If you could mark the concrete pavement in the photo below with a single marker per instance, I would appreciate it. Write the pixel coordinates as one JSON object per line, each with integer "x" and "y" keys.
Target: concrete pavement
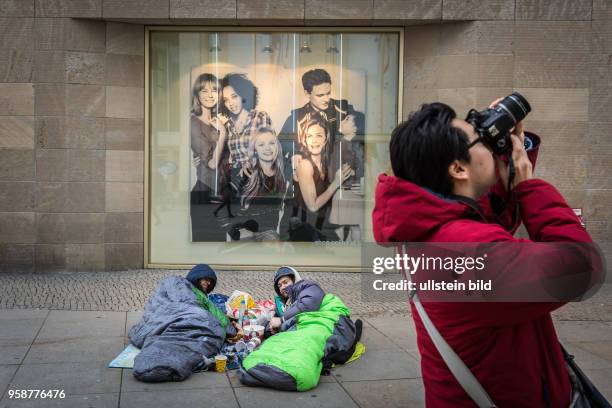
{"x": 70, "y": 349}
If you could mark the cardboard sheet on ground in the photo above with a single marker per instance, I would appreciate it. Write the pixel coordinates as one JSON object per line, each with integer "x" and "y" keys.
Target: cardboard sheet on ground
{"x": 125, "y": 359}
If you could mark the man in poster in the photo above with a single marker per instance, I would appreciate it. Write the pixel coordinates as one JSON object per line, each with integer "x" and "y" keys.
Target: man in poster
{"x": 345, "y": 124}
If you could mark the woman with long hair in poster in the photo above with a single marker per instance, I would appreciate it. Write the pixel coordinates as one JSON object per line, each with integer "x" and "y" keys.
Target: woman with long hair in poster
{"x": 265, "y": 167}
{"x": 315, "y": 188}
{"x": 240, "y": 98}
{"x": 208, "y": 134}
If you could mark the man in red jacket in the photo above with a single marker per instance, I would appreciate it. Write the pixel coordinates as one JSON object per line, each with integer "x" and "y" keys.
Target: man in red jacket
{"x": 443, "y": 173}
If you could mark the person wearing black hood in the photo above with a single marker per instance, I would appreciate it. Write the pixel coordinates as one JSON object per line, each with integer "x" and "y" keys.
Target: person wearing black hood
{"x": 294, "y": 295}
{"x": 204, "y": 279}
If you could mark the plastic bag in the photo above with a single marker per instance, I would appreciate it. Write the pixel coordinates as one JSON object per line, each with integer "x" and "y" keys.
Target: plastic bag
{"x": 232, "y": 306}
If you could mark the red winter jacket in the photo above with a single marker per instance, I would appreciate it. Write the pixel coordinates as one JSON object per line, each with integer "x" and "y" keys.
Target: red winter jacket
{"x": 511, "y": 348}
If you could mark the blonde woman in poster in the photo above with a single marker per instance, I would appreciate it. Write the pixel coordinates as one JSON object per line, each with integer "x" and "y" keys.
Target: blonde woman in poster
{"x": 264, "y": 189}
{"x": 265, "y": 168}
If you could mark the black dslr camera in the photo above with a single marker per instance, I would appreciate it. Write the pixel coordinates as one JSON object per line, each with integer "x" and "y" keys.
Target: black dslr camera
{"x": 494, "y": 125}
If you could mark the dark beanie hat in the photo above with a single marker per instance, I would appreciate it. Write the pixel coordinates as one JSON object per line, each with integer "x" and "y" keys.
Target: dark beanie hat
{"x": 202, "y": 271}
{"x": 284, "y": 271}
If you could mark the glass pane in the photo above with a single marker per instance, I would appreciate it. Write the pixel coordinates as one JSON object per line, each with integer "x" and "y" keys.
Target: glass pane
{"x": 265, "y": 146}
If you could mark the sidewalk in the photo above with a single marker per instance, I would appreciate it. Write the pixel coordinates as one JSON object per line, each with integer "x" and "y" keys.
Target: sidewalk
{"x": 70, "y": 349}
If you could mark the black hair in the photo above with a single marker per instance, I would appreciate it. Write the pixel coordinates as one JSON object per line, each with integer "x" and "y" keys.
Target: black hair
{"x": 425, "y": 145}
{"x": 315, "y": 77}
{"x": 243, "y": 87}
{"x": 198, "y": 85}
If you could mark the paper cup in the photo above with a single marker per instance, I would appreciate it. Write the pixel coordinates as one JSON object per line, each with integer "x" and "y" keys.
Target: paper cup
{"x": 220, "y": 363}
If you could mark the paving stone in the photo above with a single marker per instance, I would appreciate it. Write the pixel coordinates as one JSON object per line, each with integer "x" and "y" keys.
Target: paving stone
{"x": 73, "y": 378}
{"x": 585, "y": 359}
{"x": 601, "y": 349}
{"x": 379, "y": 365}
{"x": 325, "y": 395}
{"x": 579, "y": 331}
{"x": 63, "y": 324}
{"x": 6, "y": 374}
{"x": 74, "y": 350}
{"x": 217, "y": 397}
{"x": 131, "y": 319}
{"x": 71, "y": 401}
{"x": 18, "y": 328}
{"x": 400, "y": 332}
{"x": 387, "y": 393}
{"x": 204, "y": 380}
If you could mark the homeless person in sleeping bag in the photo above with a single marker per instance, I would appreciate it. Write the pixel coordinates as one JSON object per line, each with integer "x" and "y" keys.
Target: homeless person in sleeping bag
{"x": 178, "y": 327}
{"x": 314, "y": 332}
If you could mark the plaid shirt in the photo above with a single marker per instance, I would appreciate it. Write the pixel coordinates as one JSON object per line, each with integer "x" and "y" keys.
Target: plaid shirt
{"x": 238, "y": 143}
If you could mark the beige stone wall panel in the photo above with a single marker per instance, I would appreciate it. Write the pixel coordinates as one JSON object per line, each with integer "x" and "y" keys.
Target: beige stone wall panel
{"x": 478, "y": 10}
{"x": 85, "y": 68}
{"x": 17, "y": 8}
{"x": 407, "y": 9}
{"x": 69, "y": 8}
{"x": 124, "y": 197}
{"x": 16, "y": 196}
{"x": 123, "y": 256}
{"x": 124, "y": 134}
{"x": 16, "y": 64}
{"x": 270, "y": 9}
{"x": 16, "y": 99}
{"x": 17, "y": 227}
{"x": 17, "y": 132}
{"x": 124, "y": 70}
{"x": 136, "y": 9}
{"x": 206, "y": 9}
{"x": 125, "y": 166}
{"x": 554, "y": 9}
{"x": 124, "y": 38}
{"x": 123, "y": 228}
{"x": 16, "y": 164}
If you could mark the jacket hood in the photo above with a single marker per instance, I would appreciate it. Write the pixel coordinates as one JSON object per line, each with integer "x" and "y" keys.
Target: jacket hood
{"x": 202, "y": 271}
{"x": 405, "y": 212}
{"x": 285, "y": 271}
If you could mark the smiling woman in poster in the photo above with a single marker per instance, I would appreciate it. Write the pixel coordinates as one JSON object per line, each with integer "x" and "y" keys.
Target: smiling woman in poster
{"x": 315, "y": 188}
{"x": 240, "y": 97}
{"x": 207, "y": 135}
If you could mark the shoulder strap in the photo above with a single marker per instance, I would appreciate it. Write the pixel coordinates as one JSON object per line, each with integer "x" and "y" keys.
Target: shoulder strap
{"x": 460, "y": 371}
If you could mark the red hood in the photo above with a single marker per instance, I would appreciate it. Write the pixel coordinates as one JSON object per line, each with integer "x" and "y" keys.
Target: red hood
{"x": 400, "y": 203}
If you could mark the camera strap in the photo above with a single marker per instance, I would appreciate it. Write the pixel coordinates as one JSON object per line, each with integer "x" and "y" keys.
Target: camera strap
{"x": 455, "y": 364}
{"x": 512, "y": 194}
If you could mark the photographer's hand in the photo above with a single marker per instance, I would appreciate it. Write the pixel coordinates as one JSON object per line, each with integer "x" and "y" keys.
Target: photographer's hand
{"x": 522, "y": 164}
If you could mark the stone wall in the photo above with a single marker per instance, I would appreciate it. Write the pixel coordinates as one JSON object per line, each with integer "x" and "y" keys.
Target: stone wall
{"x": 72, "y": 102}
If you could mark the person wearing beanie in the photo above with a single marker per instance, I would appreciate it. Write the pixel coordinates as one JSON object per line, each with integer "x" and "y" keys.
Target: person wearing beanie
{"x": 204, "y": 279}
{"x": 294, "y": 295}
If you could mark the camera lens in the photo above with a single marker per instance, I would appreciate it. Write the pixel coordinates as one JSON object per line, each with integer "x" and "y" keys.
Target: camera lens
{"x": 516, "y": 106}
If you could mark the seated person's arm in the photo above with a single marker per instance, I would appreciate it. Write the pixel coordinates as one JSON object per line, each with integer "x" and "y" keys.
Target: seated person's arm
{"x": 308, "y": 300}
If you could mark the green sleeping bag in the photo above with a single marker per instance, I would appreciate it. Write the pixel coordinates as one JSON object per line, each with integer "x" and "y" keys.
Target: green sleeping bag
{"x": 292, "y": 360}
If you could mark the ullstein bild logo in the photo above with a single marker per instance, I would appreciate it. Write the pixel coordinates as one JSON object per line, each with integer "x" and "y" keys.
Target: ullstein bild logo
{"x": 412, "y": 264}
